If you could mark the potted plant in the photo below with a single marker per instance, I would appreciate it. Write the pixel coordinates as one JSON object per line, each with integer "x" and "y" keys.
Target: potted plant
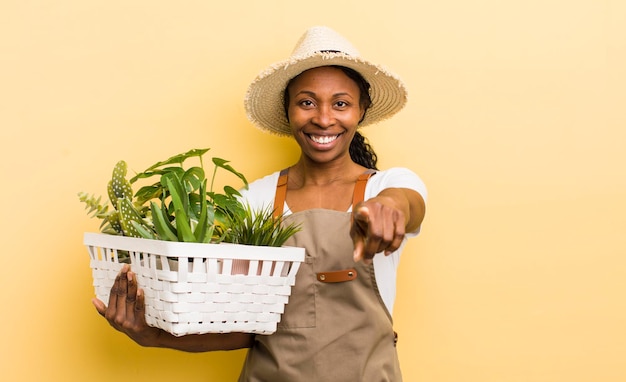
{"x": 207, "y": 262}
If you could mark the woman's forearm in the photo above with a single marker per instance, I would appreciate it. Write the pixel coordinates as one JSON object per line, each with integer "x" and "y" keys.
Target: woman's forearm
{"x": 196, "y": 343}
{"x": 410, "y": 202}
{"x": 126, "y": 313}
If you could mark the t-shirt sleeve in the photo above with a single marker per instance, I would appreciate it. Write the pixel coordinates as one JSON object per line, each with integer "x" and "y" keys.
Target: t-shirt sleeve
{"x": 260, "y": 193}
{"x": 396, "y": 177}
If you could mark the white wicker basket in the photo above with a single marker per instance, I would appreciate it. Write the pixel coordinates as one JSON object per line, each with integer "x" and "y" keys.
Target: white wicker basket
{"x": 225, "y": 287}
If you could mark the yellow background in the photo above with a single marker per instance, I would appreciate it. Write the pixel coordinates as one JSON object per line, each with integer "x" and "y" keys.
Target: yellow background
{"x": 516, "y": 123}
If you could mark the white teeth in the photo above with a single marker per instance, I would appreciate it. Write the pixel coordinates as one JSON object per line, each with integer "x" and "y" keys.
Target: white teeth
{"x": 323, "y": 139}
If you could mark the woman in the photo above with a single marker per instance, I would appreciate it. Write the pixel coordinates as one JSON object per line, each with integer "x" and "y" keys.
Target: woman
{"x": 355, "y": 220}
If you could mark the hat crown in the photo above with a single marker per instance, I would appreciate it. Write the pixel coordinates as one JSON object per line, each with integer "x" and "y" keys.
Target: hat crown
{"x": 321, "y": 39}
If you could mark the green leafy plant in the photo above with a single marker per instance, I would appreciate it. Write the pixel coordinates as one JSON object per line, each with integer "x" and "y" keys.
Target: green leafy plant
{"x": 179, "y": 207}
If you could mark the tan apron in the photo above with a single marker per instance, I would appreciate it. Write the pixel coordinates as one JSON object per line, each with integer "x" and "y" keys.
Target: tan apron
{"x": 335, "y": 326}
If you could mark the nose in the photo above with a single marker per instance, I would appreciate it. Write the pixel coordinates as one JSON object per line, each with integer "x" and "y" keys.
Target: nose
{"x": 324, "y": 117}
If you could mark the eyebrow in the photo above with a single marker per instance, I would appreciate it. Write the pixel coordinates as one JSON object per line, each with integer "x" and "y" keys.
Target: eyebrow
{"x": 312, "y": 94}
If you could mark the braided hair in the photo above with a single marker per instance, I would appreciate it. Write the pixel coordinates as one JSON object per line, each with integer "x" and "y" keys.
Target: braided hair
{"x": 361, "y": 152}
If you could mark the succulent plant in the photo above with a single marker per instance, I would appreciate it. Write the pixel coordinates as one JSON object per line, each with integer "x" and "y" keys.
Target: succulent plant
{"x": 110, "y": 220}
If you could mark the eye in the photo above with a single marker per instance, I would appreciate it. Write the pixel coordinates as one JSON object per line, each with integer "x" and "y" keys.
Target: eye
{"x": 341, "y": 104}
{"x": 307, "y": 103}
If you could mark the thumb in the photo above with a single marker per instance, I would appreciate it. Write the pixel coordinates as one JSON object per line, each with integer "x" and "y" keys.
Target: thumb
{"x": 100, "y": 307}
{"x": 357, "y": 255}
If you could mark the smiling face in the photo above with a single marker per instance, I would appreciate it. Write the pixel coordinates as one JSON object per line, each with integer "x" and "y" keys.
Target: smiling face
{"x": 324, "y": 111}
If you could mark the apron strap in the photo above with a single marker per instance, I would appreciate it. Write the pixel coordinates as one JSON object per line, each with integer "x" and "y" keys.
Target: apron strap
{"x": 281, "y": 193}
{"x": 359, "y": 187}
{"x": 281, "y": 190}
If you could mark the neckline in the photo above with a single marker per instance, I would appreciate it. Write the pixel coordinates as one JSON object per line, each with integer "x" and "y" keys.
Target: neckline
{"x": 360, "y": 186}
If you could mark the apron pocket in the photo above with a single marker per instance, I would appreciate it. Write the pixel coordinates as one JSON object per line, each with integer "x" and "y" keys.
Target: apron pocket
{"x": 300, "y": 310}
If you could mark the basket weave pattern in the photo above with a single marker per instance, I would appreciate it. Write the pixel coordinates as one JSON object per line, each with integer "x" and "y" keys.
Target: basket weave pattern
{"x": 223, "y": 287}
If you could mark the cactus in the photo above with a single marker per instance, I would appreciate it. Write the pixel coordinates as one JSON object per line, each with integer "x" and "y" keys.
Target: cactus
{"x": 132, "y": 222}
{"x": 118, "y": 187}
{"x": 128, "y": 220}
{"x": 114, "y": 221}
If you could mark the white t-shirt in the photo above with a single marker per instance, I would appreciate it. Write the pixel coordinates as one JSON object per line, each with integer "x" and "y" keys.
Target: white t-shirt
{"x": 260, "y": 194}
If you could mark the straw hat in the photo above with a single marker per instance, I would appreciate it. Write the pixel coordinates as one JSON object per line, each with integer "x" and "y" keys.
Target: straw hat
{"x": 320, "y": 46}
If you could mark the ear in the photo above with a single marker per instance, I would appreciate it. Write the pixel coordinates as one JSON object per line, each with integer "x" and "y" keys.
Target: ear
{"x": 362, "y": 116}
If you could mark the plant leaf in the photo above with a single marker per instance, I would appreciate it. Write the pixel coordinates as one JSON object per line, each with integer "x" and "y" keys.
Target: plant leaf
{"x": 177, "y": 192}
{"x": 194, "y": 178}
{"x": 183, "y": 227}
{"x": 204, "y": 228}
{"x": 147, "y": 193}
{"x": 222, "y": 163}
{"x": 176, "y": 159}
{"x": 156, "y": 172}
{"x": 230, "y": 191}
{"x": 162, "y": 225}
{"x": 143, "y": 230}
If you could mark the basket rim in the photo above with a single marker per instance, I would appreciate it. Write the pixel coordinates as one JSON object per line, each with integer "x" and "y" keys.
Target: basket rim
{"x": 192, "y": 250}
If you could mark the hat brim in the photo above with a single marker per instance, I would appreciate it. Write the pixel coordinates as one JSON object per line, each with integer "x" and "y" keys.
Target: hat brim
{"x": 264, "y": 98}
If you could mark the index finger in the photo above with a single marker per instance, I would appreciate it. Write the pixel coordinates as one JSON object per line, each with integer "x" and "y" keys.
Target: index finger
{"x": 111, "y": 308}
{"x": 359, "y": 247}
